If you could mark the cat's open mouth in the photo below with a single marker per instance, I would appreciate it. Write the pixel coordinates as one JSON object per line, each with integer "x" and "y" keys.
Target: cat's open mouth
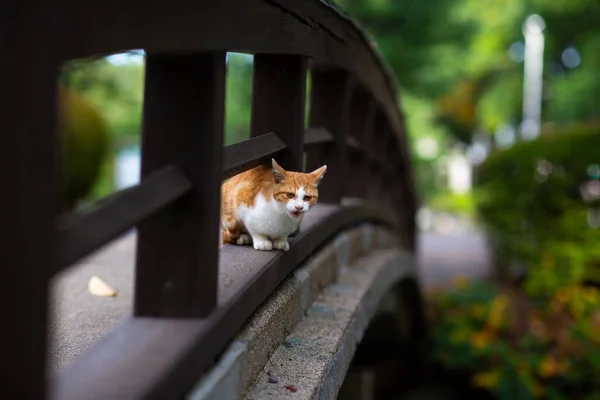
{"x": 294, "y": 214}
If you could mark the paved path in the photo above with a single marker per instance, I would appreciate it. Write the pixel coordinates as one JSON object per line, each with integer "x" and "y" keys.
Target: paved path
{"x": 79, "y": 319}
{"x": 443, "y": 257}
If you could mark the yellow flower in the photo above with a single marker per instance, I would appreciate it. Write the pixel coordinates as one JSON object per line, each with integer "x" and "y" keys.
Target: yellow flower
{"x": 548, "y": 367}
{"x": 486, "y": 380}
{"x": 497, "y": 309}
{"x": 481, "y": 339}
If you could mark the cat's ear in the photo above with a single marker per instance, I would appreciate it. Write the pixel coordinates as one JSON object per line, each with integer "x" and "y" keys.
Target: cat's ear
{"x": 317, "y": 175}
{"x": 278, "y": 172}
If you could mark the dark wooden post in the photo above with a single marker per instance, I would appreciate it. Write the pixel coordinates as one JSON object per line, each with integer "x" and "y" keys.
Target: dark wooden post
{"x": 278, "y": 103}
{"x": 28, "y": 172}
{"x": 329, "y": 101}
{"x": 377, "y": 191}
{"x": 177, "y": 257}
{"x": 401, "y": 199}
{"x": 407, "y": 187}
{"x": 362, "y": 111}
{"x": 392, "y": 185}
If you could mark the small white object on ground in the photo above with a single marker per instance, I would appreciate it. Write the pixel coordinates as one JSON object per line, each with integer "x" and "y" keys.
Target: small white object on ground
{"x": 98, "y": 287}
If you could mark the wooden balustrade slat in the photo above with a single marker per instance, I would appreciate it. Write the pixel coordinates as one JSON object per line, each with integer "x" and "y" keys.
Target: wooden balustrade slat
{"x": 250, "y": 153}
{"x": 406, "y": 186}
{"x": 379, "y": 142}
{"x": 353, "y": 144}
{"x": 376, "y": 189}
{"x": 401, "y": 200}
{"x": 390, "y": 172}
{"x": 330, "y": 95}
{"x": 360, "y": 127}
{"x": 28, "y": 175}
{"x": 278, "y": 103}
{"x": 177, "y": 253}
{"x": 358, "y": 153}
{"x": 80, "y": 234}
{"x": 315, "y": 138}
{"x": 371, "y": 187}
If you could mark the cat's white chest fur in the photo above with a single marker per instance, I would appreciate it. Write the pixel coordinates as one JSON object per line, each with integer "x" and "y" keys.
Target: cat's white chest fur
{"x": 268, "y": 218}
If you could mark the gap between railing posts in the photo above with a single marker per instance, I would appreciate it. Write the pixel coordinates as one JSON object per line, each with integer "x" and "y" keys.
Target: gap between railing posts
{"x": 330, "y": 100}
{"x": 362, "y": 112}
{"x": 278, "y": 103}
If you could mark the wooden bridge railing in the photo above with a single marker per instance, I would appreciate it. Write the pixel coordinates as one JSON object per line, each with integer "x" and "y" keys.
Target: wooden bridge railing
{"x": 180, "y": 322}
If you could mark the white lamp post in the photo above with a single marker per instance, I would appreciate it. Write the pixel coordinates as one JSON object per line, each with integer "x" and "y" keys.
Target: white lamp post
{"x": 532, "y": 83}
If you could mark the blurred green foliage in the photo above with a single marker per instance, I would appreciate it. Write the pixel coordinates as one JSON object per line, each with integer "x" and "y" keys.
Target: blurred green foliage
{"x": 437, "y": 47}
{"x": 115, "y": 90}
{"x": 531, "y": 206}
{"x": 452, "y": 61}
{"x": 516, "y": 348}
{"x": 454, "y": 203}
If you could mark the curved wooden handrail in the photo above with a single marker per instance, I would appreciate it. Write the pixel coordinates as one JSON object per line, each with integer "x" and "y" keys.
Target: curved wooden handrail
{"x": 311, "y": 28}
{"x": 175, "y": 352}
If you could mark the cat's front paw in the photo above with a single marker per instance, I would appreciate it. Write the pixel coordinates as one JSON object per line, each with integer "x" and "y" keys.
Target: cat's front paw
{"x": 243, "y": 239}
{"x": 281, "y": 245}
{"x": 263, "y": 244}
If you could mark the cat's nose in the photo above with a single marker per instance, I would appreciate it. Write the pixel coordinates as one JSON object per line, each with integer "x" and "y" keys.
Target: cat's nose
{"x": 299, "y": 206}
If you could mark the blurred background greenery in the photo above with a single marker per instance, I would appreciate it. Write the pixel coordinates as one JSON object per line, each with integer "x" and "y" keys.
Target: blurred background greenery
{"x": 533, "y": 330}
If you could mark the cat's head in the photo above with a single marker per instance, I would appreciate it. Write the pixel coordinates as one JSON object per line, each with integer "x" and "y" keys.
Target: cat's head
{"x": 296, "y": 192}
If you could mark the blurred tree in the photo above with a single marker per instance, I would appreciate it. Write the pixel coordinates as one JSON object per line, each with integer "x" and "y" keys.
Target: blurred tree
{"x": 438, "y": 48}
{"x": 424, "y": 50}
{"x": 84, "y": 147}
{"x": 238, "y": 97}
{"x": 458, "y": 109}
{"x": 116, "y": 90}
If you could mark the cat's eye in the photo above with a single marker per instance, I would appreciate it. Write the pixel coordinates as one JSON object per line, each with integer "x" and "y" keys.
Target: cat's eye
{"x": 290, "y": 195}
{"x": 307, "y": 198}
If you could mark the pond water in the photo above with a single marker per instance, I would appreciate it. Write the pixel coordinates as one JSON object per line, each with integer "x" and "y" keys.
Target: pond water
{"x": 127, "y": 167}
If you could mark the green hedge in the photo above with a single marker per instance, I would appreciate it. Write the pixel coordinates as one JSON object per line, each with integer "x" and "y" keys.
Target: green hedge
{"x": 531, "y": 206}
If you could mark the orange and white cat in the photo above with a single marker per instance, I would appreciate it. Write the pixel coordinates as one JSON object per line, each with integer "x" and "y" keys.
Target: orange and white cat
{"x": 263, "y": 205}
